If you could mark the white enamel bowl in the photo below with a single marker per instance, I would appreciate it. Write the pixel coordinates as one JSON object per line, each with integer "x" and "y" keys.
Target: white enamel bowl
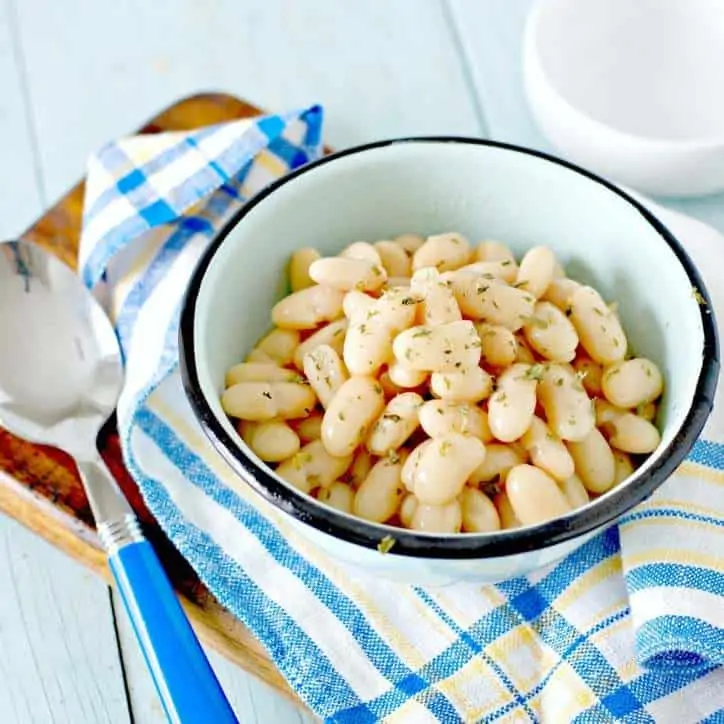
{"x": 632, "y": 89}
{"x": 483, "y": 190}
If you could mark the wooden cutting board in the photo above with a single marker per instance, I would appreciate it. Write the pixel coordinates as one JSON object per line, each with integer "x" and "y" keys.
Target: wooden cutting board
{"x": 39, "y": 486}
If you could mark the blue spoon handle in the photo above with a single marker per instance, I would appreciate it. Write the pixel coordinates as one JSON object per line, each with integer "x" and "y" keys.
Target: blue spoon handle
{"x": 185, "y": 682}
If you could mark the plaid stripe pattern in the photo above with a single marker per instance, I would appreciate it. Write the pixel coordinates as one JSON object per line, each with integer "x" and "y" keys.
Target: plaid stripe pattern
{"x": 628, "y": 628}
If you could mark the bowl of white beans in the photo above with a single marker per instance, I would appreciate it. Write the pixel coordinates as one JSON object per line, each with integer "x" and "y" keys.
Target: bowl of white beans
{"x": 447, "y": 359}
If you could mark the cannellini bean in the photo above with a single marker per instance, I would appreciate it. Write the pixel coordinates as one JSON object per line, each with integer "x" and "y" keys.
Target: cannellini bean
{"x": 258, "y": 401}
{"x": 443, "y": 348}
{"x": 443, "y": 251}
{"x": 536, "y": 270}
{"x": 299, "y": 265}
{"x": 493, "y": 301}
{"x": 310, "y": 428}
{"x": 356, "y": 304}
{"x": 508, "y": 518}
{"x": 259, "y": 372}
{"x": 259, "y": 356}
{"x": 407, "y": 509}
{"x": 469, "y": 385}
{"x": 575, "y": 491}
{"x": 558, "y": 271}
{"x": 444, "y": 467}
{"x": 647, "y": 411}
{"x": 551, "y": 334}
{"x": 347, "y": 274}
{"x": 404, "y": 376}
{"x": 394, "y": 259}
{"x": 313, "y": 467}
{"x": 357, "y": 404}
{"x": 493, "y": 251}
{"x": 498, "y": 345}
{"x": 331, "y": 334}
{"x": 632, "y": 434}
{"x": 360, "y": 469}
{"x": 479, "y": 513}
{"x": 361, "y": 250}
{"x": 503, "y": 269}
{"x": 398, "y": 283}
{"x": 624, "y": 466}
{"x": 547, "y": 451}
{"x": 410, "y": 243}
{"x": 595, "y": 464}
{"x": 446, "y": 518}
{"x": 380, "y": 494}
{"x": 590, "y": 373}
{"x": 398, "y": 421}
{"x": 523, "y": 352}
{"x": 534, "y": 496}
{"x": 388, "y": 386}
{"x": 632, "y": 383}
{"x": 511, "y": 407}
{"x": 439, "y": 417}
{"x": 568, "y": 408}
{"x": 338, "y": 495}
{"x": 412, "y": 465}
{"x": 308, "y": 308}
{"x": 559, "y": 292}
{"x": 499, "y": 460}
{"x": 437, "y": 303}
{"x": 273, "y": 441}
{"x": 280, "y": 345}
{"x": 606, "y": 412}
{"x": 599, "y": 329}
{"x": 325, "y": 371}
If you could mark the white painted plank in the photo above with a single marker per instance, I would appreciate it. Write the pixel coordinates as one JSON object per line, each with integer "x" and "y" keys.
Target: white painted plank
{"x": 380, "y": 69}
{"x": 491, "y": 33}
{"x": 59, "y": 659}
{"x": 254, "y": 702}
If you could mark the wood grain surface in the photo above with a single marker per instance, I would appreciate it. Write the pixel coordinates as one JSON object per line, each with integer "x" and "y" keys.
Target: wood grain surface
{"x": 39, "y": 486}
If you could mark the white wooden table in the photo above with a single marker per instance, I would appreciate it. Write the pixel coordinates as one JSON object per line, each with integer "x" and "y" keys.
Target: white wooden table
{"x": 74, "y": 74}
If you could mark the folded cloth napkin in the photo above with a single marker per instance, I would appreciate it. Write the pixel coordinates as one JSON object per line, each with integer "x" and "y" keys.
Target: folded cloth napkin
{"x": 628, "y": 628}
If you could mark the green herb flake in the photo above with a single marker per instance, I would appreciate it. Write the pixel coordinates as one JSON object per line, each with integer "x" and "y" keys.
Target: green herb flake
{"x": 341, "y": 417}
{"x": 301, "y": 459}
{"x": 377, "y": 271}
{"x": 445, "y": 447}
{"x": 386, "y": 544}
{"x": 409, "y": 301}
{"x": 268, "y": 395}
{"x": 506, "y": 262}
{"x": 698, "y": 297}
{"x": 378, "y": 389}
{"x": 559, "y": 382}
{"x": 421, "y": 332}
{"x": 391, "y": 417}
{"x": 535, "y": 372}
{"x": 393, "y": 457}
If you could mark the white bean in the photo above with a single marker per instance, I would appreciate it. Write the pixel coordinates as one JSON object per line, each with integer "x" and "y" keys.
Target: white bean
{"x": 493, "y": 251}
{"x": 632, "y": 434}
{"x": 338, "y": 495}
{"x": 647, "y": 411}
{"x": 568, "y": 408}
{"x": 394, "y": 259}
{"x": 280, "y": 345}
{"x": 331, "y": 334}
{"x": 357, "y": 404}
{"x": 443, "y": 251}
{"x": 437, "y": 303}
{"x": 468, "y": 385}
{"x": 493, "y": 301}
{"x": 258, "y": 401}
{"x": 398, "y": 421}
{"x": 380, "y": 494}
{"x": 360, "y": 468}
{"x": 479, "y": 513}
{"x": 590, "y": 373}
{"x": 310, "y": 428}
{"x": 273, "y": 441}
{"x": 412, "y": 465}
{"x": 499, "y": 460}
{"x": 551, "y": 334}
{"x": 443, "y": 348}
{"x": 575, "y": 491}
{"x": 439, "y": 418}
{"x": 536, "y": 270}
{"x": 407, "y": 509}
{"x": 595, "y": 464}
{"x": 308, "y": 308}
{"x": 523, "y": 352}
{"x": 356, "y": 304}
{"x": 325, "y": 371}
{"x": 498, "y": 345}
{"x": 347, "y": 274}
{"x": 534, "y": 496}
{"x": 299, "y": 265}
{"x": 606, "y": 412}
{"x": 503, "y": 269}
{"x": 404, "y": 376}
{"x": 259, "y": 372}
{"x": 511, "y": 407}
{"x": 361, "y": 250}
{"x": 313, "y": 467}
{"x": 632, "y": 383}
{"x": 259, "y": 356}
{"x": 446, "y": 518}
{"x": 445, "y": 466}
{"x": 559, "y": 292}
{"x": 410, "y": 243}
{"x": 508, "y": 518}
{"x": 547, "y": 451}
{"x": 599, "y": 329}
{"x": 624, "y": 466}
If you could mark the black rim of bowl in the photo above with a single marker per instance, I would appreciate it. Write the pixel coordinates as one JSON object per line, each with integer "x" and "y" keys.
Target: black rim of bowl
{"x": 465, "y": 545}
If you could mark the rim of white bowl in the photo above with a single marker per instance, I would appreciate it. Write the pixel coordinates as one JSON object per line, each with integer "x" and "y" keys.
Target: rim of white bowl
{"x": 308, "y": 511}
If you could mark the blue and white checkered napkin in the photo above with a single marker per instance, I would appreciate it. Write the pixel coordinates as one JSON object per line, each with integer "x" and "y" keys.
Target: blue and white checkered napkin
{"x": 629, "y": 628}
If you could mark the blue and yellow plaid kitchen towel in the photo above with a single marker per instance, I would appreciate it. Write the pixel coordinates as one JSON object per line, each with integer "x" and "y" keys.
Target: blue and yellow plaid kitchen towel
{"x": 629, "y": 628}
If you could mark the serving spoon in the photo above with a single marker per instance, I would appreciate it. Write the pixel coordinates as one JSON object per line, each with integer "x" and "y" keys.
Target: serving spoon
{"x": 60, "y": 378}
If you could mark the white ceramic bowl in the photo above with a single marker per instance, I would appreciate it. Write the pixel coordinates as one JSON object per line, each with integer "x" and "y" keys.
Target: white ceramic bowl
{"x": 632, "y": 89}
{"x": 483, "y": 190}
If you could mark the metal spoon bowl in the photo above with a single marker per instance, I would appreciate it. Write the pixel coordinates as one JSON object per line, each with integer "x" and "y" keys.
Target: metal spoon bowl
{"x": 60, "y": 377}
